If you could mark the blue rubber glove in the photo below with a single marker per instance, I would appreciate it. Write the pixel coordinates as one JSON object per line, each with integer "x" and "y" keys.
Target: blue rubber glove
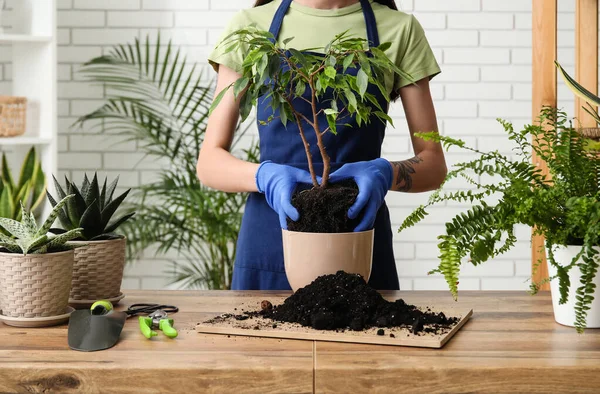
{"x": 278, "y": 183}
{"x": 374, "y": 179}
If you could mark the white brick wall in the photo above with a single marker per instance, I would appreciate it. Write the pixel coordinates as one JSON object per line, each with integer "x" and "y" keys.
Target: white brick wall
{"x": 483, "y": 47}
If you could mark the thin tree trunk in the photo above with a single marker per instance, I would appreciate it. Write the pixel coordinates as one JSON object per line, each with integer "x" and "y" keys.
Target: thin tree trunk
{"x": 324, "y": 155}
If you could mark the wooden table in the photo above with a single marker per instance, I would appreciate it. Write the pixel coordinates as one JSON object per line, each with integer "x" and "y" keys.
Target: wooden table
{"x": 512, "y": 344}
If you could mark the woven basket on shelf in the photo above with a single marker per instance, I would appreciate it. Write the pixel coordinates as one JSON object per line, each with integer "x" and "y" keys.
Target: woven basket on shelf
{"x": 12, "y": 116}
{"x": 98, "y": 269}
{"x": 36, "y": 285}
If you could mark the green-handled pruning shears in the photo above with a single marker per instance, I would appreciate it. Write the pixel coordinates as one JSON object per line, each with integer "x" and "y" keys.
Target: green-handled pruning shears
{"x": 157, "y": 320}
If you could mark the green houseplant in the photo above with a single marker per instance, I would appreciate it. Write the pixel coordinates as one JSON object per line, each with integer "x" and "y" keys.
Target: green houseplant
{"x": 563, "y": 207}
{"x": 28, "y": 189}
{"x": 286, "y": 78}
{"x": 29, "y": 254}
{"x": 159, "y": 99}
{"x": 100, "y": 257}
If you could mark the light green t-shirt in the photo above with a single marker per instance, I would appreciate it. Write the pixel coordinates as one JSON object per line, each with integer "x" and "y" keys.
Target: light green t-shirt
{"x": 312, "y": 28}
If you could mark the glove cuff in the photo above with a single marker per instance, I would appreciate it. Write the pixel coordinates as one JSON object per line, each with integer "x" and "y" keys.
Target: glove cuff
{"x": 256, "y": 176}
{"x": 387, "y": 170}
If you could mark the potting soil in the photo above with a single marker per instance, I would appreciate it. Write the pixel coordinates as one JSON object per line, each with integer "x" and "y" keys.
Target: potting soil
{"x": 325, "y": 210}
{"x": 345, "y": 301}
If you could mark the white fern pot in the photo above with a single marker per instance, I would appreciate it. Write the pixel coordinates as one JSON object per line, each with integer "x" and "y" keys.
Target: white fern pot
{"x": 565, "y": 314}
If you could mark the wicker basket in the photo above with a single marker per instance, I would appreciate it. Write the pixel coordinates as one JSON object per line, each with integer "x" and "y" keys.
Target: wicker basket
{"x": 590, "y": 132}
{"x": 98, "y": 269}
{"x": 12, "y": 116}
{"x": 36, "y": 285}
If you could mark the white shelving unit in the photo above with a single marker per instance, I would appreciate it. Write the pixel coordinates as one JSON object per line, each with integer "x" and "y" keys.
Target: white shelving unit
{"x": 31, "y": 38}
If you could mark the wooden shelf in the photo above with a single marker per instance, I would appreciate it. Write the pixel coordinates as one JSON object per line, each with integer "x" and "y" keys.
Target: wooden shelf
{"x": 24, "y": 140}
{"x": 23, "y": 38}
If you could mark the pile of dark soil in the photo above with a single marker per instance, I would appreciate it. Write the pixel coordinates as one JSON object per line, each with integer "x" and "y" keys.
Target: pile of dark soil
{"x": 345, "y": 301}
{"x": 325, "y": 210}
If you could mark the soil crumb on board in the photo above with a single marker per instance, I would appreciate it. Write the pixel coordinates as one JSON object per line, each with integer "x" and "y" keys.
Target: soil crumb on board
{"x": 344, "y": 302}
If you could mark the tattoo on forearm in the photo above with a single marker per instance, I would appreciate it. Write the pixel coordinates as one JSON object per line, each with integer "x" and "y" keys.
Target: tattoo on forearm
{"x": 405, "y": 171}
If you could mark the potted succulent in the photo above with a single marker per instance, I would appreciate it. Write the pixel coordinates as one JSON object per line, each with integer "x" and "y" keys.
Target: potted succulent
{"x": 28, "y": 189}
{"x": 100, "y": 255}
{"x": 35, "y": 266}
{"x": 287, "y": 78}
{"x": 563, "y": 206}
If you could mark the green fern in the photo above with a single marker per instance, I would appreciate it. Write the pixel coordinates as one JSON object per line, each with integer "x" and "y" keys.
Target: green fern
{"x": 564, "y": 207}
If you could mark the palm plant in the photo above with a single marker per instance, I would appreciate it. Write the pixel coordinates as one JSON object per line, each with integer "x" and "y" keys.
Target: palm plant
{"x": 157, "y": 99}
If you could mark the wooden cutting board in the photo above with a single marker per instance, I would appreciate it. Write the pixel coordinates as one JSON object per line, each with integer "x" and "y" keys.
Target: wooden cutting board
{"x": 265, "y": 328}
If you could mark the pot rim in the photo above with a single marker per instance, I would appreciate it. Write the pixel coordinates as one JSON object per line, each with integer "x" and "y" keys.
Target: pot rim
{"x": 329, "y": 234}
{"x": 100, "y": 241}
{"x": 38, "y": 254}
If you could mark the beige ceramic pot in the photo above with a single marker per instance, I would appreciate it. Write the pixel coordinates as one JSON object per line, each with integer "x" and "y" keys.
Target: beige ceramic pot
{"x": 36, "y": 285}
{"x": 310, "y": 255}
{"x": 98, "y": 270}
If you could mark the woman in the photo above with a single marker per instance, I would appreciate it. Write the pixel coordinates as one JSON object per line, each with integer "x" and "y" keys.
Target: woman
{"x": 314, "y": 23}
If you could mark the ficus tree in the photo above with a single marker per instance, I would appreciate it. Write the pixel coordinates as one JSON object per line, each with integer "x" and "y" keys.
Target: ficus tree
{"x": 283, "y": 75}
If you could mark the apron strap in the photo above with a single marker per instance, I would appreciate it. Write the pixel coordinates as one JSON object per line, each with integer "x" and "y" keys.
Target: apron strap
{"x": 370, "y": 21}
{"x": 278, "y": 19}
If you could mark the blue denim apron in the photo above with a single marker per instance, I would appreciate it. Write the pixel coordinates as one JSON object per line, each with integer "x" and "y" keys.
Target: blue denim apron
{"x": 259, "y": 259}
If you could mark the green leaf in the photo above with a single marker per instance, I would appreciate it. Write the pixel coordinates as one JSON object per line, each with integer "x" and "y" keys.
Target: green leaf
{"x": 300, "y": 88}
{"x": 111, "y": 190}
{"x": 93, "y": 191}
{"x": 34, "y": 244}
{"x": 362, "y": 80}
{"x": 330, "y": 72}
{"x": 84, "y": 185}
{"x": 331, "y": 120}
{"x": 576, "y": 88}
{"x": 61, "y": 239}
{"x": 91, "y": 220}
{"x": 7, "y": 206}
{"x": 27, "y": 168}
{"x": 52, "y": 216}
{"x": 27, "y": 220}
{"x": 103, "y": 193}
{"x": 39, "y": 187}
{"x": 62, "y": 216}
{"x": 218, "y": 99}
{"x": 283, "y": 116}
{"x": 15, "y": 228}
{"x": 383, "y": 115}
{"x": 348, "y": 61}
{"x": 240, "y": 85}
{"x": 113, "y": 226}
{"x": 59, "y": 190}
{"x": 384, "y": 46}
{"x": 287, "y": 40}
{"x": 300, "y": 57}
{"x": 351, "y": 99}
{"x": 332, "y": 61}
{"x": 110, "y": 209}
{"x": 6, "y": 175}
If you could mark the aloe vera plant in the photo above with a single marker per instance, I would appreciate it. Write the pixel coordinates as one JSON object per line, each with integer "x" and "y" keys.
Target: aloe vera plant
{"x": 91, "y": 208}
{"x": 29, "y": 188}
{"x": 25, "y": 237}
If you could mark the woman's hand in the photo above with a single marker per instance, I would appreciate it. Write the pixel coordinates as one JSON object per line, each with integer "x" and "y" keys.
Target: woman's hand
{"x": 278, "y": 182}
{"x": 374, "y": 179}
